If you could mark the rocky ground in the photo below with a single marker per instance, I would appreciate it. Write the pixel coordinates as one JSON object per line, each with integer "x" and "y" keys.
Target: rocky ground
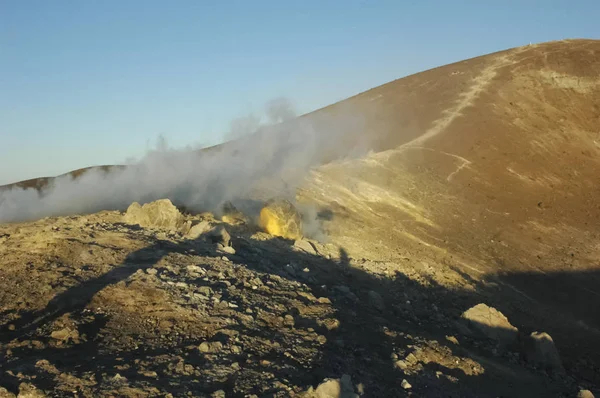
{"x": 158, "y": 303}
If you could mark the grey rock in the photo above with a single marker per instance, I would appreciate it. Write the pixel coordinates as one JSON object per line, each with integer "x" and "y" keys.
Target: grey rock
{"x": 205, "y": 290}
{"x": 228, "y": 250}
{"x": 491, "y": 323}
{"x": 194, "y": 269}
{"x": 28, "y": 390}
{"x": 210, "y": 347}
{"x": 342, "y": 289}
{"x": 452, "y": 339}
{"x": 401, "y": 365}
{"x": 335, "y": 388}
{"x": 198, "y": 230}
{"x": 289, "y": 320}
{"x": 159, "y": 214}
{"x": 585, "y": 394}
{"x": 540, "y": 350}
{"x": 219, "y": 235}
{"x": 411, "y": 358}
{"x": 304, "y": 245}
{"x": 4, "y": 393}
{"x": 376, "y": 300}
{"x": 345, "y": 291}
{"x": 65, "y": 334}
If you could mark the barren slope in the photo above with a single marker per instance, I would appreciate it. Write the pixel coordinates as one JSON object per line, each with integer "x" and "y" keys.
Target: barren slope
{"x": 494, "y": 171}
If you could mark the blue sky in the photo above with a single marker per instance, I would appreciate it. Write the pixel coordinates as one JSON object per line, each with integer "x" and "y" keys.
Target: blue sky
{"x": 94, "y": 82}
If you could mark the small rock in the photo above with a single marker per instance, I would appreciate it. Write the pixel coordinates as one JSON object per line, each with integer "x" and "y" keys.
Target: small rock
{"x": 228, "y": 250}
{"x": 219, "y": 235}
{"x": 4, "y": 393}
{"x": 208, "y": 347}
{"x": 65, "y": 334}
{"x": 345, "y": 290}
{"x": 406, "y": 385}
{"x": 491, "y": 323}
{"x": 151, "y": 271}
{"x": 218, "y": 394}
{"x": 376, "y": 300}
{"x": 205, "y": 290}
{"x": 411, "y": 358}
{"x": 289, "y": 320}
{"x": 452, "y": 339}
{"x": 342, "y": 289}
{"x": 194, "y": 269}
{"x": 335, "y": 388}
{"x": 331, "y": 323}
{"x": 346, "y": 382}
{"x": 159, "y": 214}
{"x": 585, "y": 394}
{"x": 27, "y": 390}
{"x": 401, "y": 365}
{"x": 540, "y": 349}
{"x": 148, "y": 373}
{"x": 304, "y": 245}
{"x": 360, "y": 389}
{"x": 198, "y": 230}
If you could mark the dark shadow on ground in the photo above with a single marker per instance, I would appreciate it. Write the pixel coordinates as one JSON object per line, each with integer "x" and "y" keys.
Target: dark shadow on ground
{"x": 381, "y": 321}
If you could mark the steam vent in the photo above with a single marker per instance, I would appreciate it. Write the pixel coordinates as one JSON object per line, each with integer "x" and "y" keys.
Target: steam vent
{"x": 280, "y": 218}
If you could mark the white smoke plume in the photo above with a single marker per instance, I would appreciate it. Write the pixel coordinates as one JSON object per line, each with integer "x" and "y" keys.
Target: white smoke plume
{"x": 265, "y": 159}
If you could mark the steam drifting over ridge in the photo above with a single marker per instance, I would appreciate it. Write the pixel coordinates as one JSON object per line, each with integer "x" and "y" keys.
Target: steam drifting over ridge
{"x": 270, "y": 159}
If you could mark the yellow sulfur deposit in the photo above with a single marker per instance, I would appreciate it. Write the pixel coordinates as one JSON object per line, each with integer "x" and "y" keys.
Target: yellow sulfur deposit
{"x": 280, "y": 218}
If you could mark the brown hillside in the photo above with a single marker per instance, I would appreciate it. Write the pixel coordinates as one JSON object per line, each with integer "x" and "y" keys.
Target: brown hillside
{"x": 492, "y": 167}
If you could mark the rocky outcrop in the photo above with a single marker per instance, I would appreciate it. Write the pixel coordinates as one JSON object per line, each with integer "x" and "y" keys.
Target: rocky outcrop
{"x": 491, "y": 323}
{"x": 161, "y": 214}
{"x": 541, "y": 351}
{"x": 198, "y": 230}
{"x": 333, "y": 388}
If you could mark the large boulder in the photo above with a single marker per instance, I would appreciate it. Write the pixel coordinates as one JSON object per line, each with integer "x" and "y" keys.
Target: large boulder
{"x": 540, "y": 350}
{"x": 219, "y": 235}
{"x": 585, "y": 394}
{"x": 231, "y": 215}
{"x": 491, "y": 323}
{"x": 198, "y": 230}
{"x": 280, "y": 218}
{"x": 333, "y": 388}
{"x": 161, "y": 214}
